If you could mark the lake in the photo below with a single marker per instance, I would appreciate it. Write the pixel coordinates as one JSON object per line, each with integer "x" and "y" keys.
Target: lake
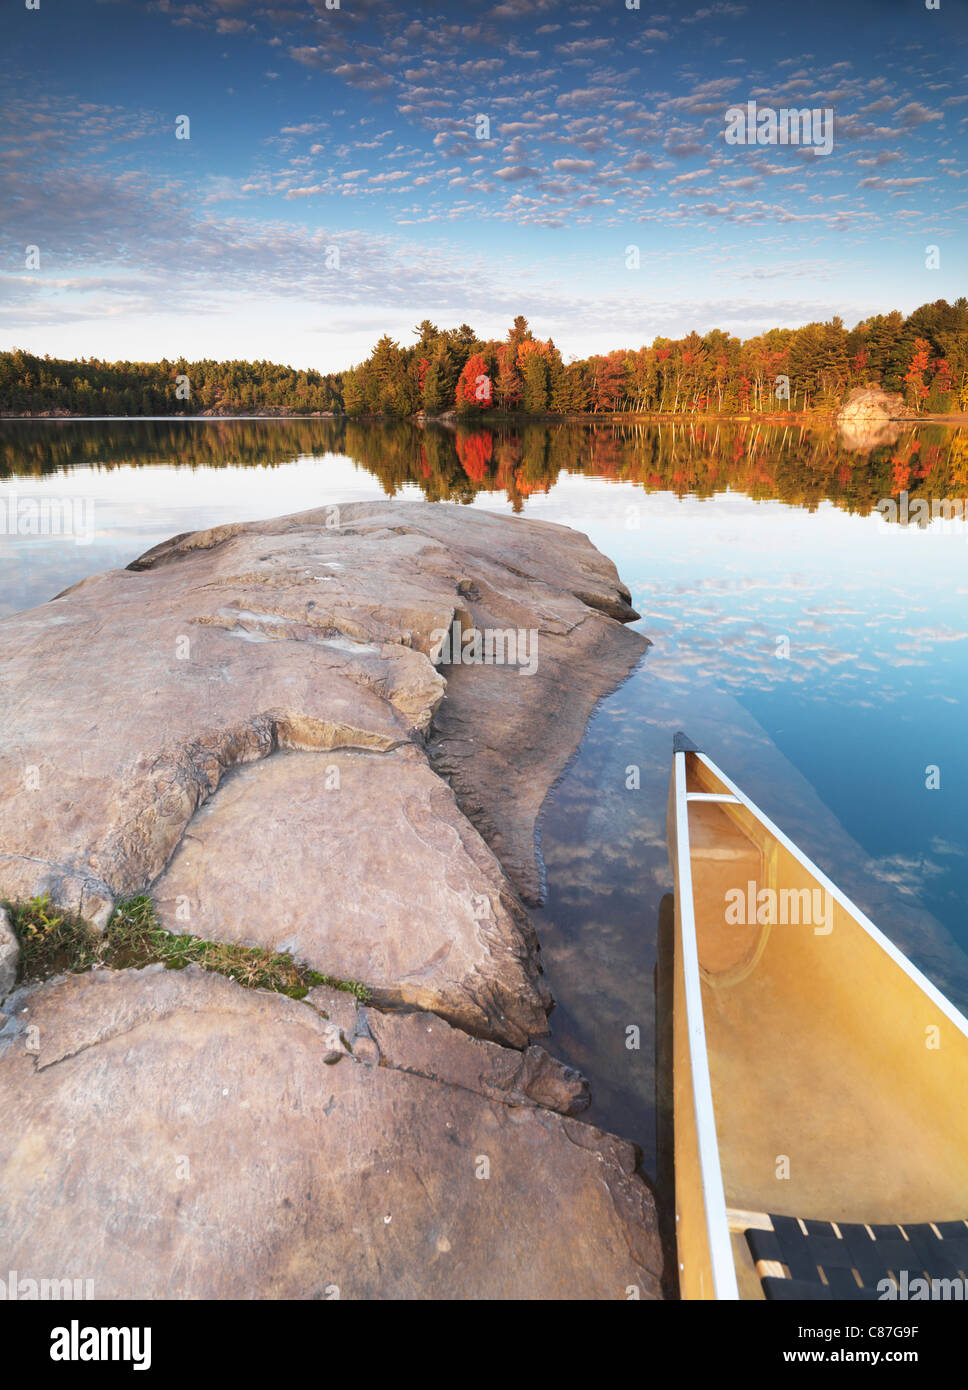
{"x": 815, "y": 648}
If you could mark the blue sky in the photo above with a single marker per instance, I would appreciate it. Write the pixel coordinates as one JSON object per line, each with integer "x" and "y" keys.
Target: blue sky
{"x": 313, "y": 128}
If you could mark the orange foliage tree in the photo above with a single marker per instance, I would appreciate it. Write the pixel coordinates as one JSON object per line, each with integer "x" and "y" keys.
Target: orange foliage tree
{"x": 474, "y": 385}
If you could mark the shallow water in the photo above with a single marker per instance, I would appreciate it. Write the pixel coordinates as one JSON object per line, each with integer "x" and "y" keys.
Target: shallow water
{"x": 817, "y": 651}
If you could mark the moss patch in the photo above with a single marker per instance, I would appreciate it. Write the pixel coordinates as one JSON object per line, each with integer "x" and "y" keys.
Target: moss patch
{"x": 53, "y": 941}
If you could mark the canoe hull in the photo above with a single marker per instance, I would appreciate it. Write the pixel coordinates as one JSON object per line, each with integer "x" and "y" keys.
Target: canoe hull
{"x": 832, "y": 1070}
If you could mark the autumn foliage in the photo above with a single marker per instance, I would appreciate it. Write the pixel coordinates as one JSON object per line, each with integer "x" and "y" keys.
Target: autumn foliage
{"x": 923, "y": 356}
{"x": 474, "y": 385}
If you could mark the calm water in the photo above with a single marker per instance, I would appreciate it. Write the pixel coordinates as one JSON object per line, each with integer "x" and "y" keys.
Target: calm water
{"x": 740, "y": 544}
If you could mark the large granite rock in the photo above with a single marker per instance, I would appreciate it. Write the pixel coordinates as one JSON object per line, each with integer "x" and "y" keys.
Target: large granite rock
{"x": 173, "y": 1135}
{"x": 250, "y": 723}
{"x": 407, "y": 571}
{"x": 127, "y": 700}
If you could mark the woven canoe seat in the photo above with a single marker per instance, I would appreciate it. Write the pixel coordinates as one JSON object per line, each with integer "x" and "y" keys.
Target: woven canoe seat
{"x": 845, "y": 1260}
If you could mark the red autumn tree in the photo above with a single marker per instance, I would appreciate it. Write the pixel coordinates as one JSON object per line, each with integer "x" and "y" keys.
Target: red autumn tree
{"x": 915, "y": 374}
{"x": 474, "y": 385}
{"x": 610, "y": 380}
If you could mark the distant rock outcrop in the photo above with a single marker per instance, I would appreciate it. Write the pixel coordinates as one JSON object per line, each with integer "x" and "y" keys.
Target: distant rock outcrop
{"x": 871, "y": 403}
{"x": 865, "y": 419}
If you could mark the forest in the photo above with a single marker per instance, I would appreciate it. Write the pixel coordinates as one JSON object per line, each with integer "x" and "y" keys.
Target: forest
{"x": 923, "y": 357}
{"x": 37, "y": 385}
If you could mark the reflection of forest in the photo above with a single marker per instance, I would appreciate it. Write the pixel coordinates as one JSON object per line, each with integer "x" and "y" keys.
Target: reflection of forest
{"x": 793, "y": 464}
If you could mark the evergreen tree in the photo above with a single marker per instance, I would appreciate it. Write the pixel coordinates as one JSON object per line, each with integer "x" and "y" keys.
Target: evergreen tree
{"x": 508, "y": 386}
{"x": 534, "y": 398}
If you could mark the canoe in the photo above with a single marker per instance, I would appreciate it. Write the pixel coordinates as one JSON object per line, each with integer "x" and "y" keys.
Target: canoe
{"x": 819, "y": 1079}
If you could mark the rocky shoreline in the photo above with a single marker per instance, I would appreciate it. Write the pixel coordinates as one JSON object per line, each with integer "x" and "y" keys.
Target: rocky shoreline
{"x": 252, "y": 724}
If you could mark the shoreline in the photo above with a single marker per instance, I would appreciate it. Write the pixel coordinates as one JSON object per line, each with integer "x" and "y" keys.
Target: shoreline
{"x": 491, "y": 418}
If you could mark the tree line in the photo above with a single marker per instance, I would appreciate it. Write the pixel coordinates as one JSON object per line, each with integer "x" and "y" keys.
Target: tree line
{"x": 923, "y": 357}
{"x": 33, "y": 385}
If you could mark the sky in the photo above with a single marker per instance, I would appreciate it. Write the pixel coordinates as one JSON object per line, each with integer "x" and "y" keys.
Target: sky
{"x": 333, "y": 185}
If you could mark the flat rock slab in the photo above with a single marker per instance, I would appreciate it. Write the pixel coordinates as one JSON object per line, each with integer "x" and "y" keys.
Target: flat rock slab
{"x": 125, "y": 700}
{"x": 178, "y": 1136}
{"x": 363, "y": 866}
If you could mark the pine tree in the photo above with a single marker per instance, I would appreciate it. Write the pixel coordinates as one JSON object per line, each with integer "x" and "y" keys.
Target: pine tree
{"x": 519, "y": 333}
{"x": 354, "y": 391}
{"x": 433, "y": 397}
{"x": 534, "y": 398}
{"x": 508, "y": 387}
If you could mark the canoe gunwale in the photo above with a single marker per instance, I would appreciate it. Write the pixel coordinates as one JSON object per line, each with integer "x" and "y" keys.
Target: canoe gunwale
{"x": 714, "y": 1196}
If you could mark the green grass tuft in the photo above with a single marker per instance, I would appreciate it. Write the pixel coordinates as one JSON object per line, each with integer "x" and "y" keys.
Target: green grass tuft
{"x": 53, "y": 941}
